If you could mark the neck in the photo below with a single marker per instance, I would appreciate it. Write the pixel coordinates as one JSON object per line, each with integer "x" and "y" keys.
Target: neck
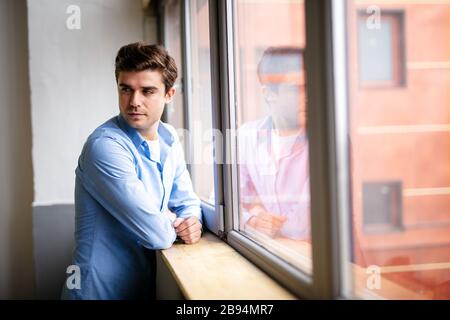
{"x": 283, "y": 131}
{"x": 151, "y": 133}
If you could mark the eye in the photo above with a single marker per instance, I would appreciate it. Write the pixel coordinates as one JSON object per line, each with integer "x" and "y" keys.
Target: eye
{"x": 148, "y": 91}
{"x": 125, "y": 89}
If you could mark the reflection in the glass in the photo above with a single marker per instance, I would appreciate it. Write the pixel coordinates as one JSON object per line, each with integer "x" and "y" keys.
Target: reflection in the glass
{"x": 272, "y": 139}
{"x": 274, "y": 151}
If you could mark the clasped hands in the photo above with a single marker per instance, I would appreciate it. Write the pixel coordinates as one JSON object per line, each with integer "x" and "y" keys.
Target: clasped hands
{"x": 188, "y": 229}
{"x": 265, "y": 222}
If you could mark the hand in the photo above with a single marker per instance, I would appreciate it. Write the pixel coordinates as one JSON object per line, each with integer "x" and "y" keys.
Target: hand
{"x": 266, "y": 223}
{"x": 189, "y": 230}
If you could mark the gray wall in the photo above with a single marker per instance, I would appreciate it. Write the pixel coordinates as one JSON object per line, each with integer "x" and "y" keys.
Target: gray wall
{"x": 16, "y": 176}
{"x": 53, "y": 229}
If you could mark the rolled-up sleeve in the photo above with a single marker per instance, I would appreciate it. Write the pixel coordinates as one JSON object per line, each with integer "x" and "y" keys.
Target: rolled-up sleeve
{"x": 107, "y": 171}
{"x": 183, "y": 200}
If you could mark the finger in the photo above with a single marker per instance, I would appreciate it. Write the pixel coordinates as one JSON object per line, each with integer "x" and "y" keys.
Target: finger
{"x": 177, "y": 222}
{"x": 269, "y": 218}
{"x": 263, "y": 224}
{"x": 273, "y": 218}
{"x": 187, "y": 223}
{"x": 193, "y": 237}
{"x": 278, "y": 218}
{"x": 268, "y": 227}
{"x": 277, "y": 224}
{"x": 276, "y": 221}
{"x": 190, "y": 230}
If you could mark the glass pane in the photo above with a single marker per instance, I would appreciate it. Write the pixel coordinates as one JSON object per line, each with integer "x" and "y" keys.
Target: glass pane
{"x": 400, "y": 138}
{"x": 173, "y": 112}
{"x": 271, "y": 121}
{"x": 200, "y": 127}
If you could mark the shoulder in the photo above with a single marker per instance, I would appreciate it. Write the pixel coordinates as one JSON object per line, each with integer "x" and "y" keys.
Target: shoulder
{"x": 168, "y": 133}
{"x": 251, "y": 129}
{"x": 256, "y": 125}
{"x": 110, "y": 129}
{"x": 107, "y": 140}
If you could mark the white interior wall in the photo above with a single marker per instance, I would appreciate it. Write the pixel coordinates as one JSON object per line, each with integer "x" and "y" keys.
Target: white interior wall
{"x": 72, "y": 82}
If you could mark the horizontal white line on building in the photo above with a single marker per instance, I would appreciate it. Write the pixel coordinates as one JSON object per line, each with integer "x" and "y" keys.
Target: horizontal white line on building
{"x": 414, "y": 192}
{"x": 428, "y": 65}
{"x": 401, "y": 2}
{"x": 404, "y": 129}
{"x": 416, "y": 267}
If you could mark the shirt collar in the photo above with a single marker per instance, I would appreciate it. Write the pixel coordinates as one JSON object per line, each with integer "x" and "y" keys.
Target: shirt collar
{"x": 163, "y": 131}
{"x": 264, "y": 137}
{"x": 264, "y": 131}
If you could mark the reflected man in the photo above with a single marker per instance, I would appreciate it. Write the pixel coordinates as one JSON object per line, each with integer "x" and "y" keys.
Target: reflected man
{"x": 274, "y": 170}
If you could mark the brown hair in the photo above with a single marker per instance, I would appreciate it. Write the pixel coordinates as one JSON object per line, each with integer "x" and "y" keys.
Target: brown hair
{"x": 279, "y": 60}
{"x": 139, "y": 57}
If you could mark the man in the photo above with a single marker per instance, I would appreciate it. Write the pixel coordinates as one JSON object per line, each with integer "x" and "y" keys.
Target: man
{"x": 131, "y": 170}
{"x": 274, "y": 171}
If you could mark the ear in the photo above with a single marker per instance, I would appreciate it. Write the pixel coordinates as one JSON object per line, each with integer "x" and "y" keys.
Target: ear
{"x": 169, "y": 95}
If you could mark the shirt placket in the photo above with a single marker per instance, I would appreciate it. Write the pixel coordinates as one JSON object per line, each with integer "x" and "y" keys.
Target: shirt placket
{"x": 160, "y": 170}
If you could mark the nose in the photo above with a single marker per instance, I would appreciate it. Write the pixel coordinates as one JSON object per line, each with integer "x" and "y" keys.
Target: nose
{"x": 135, "y": 99}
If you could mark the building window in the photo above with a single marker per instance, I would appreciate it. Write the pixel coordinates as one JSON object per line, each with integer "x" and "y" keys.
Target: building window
{"x": 382, "y": 206}
{"x": 381, "y": 50}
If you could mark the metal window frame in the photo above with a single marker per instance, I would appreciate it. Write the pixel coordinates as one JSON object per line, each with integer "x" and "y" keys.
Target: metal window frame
{"x": 340, "y": 143}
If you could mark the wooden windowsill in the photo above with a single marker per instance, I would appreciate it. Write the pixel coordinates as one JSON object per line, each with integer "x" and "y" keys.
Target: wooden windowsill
{"x": 211, "y": 269}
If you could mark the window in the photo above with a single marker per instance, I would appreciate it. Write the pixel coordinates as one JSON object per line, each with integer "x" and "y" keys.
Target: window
{"x": 382, "y": 206}
{"x": 271, "y": 139}
{"x": 380, "y": 46}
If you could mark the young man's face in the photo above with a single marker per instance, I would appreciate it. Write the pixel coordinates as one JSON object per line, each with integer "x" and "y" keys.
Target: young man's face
{"x": 288, "y": 102}
{"x": 142, "y": 98}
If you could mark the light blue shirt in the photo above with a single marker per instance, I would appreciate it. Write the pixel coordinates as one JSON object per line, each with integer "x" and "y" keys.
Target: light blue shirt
{"x": 121, "y": 196}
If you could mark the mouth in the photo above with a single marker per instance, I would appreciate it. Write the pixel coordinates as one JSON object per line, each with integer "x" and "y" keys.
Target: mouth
{"x": 135, "y": 114}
